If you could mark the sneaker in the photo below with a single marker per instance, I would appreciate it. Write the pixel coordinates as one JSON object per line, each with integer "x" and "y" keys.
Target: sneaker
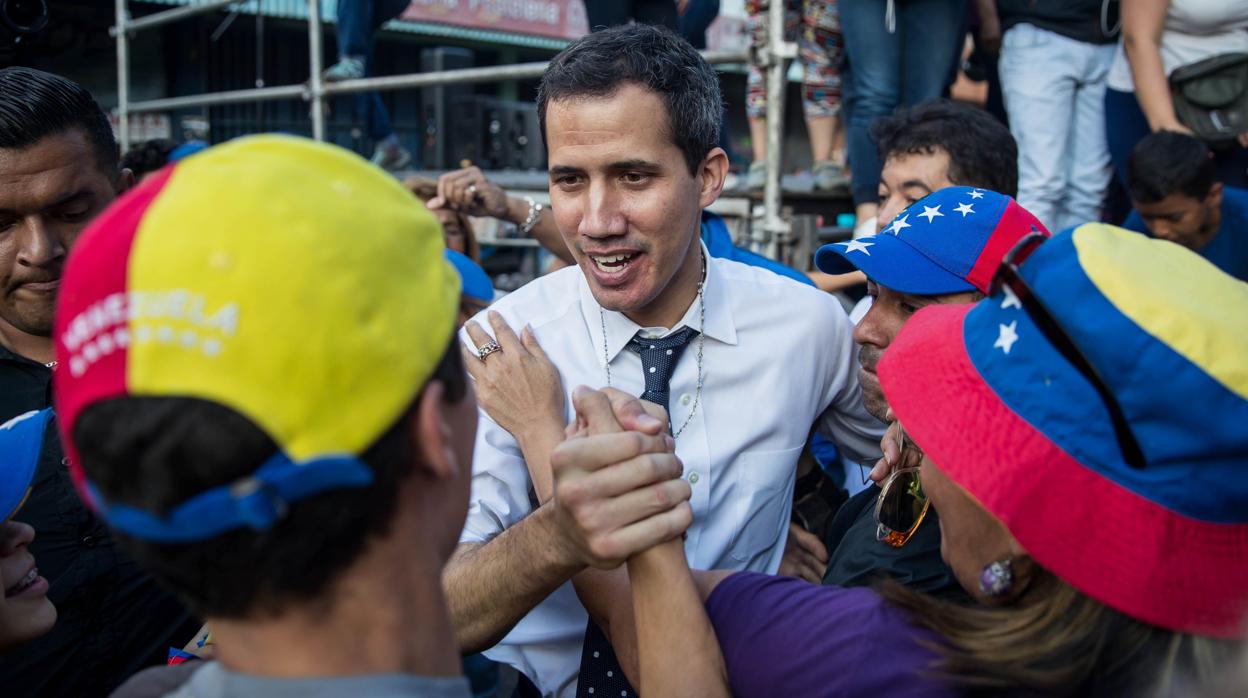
{"x": 829, "y": 175}
{"x": 390, "y": 155}
{"x": 349, "y": 68}
{"x": 756, "y": 178}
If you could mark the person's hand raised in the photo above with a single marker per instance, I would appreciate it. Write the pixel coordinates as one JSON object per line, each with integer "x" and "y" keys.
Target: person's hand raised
{"x": 469, "y": 192}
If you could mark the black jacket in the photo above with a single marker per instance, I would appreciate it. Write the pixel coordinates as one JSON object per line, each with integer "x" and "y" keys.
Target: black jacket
{"x": 112, "y": 620}
{"x": 858, "y": 559}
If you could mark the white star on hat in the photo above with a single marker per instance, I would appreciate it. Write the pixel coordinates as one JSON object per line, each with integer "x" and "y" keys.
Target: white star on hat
{"x": 964, "y": 209}
{"x": 1006, "y": 337}
{"x": 898, "y": 223}
{"x": 857, "y": 246}
{"x": 931, "y": 212}
{"x": 977, "y": 194}
{"x": 1011, "y": 300}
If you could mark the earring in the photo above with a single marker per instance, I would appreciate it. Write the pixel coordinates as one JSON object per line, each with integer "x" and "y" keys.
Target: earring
{"x": 997, "y": 578}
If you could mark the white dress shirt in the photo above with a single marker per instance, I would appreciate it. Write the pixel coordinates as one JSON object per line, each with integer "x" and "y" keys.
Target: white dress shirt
{"x": 778, "y": 356}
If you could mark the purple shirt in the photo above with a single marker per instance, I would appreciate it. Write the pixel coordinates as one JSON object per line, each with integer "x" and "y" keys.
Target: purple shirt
{"x": 786, "y": 637}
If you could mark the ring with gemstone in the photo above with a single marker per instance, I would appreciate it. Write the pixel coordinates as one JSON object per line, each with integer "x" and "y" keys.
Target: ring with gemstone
{"x": 488, "y": 348}
{"x": 472, "y": 189}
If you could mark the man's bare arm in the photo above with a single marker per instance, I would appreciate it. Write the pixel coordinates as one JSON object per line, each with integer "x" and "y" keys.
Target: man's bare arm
{"x": 491, "y": 586}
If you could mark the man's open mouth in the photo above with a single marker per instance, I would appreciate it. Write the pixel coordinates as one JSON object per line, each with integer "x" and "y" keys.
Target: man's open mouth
{"x": 614, "y": 262}
{"x": 25, "y": 583}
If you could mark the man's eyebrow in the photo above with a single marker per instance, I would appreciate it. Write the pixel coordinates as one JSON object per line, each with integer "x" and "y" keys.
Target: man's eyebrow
{"x": 63, "y": 199}
{"x": 71, "y": 197}
{"x": 916, "y": 183}
{"x": 563, "y": 169}
{"x": 634, "y": 164}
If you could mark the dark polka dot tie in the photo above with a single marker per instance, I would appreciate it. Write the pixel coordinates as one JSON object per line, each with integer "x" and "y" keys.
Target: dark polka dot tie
{"x": 601, "y": 675}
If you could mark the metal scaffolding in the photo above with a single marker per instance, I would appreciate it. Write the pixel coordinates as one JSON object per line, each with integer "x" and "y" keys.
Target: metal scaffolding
{"x": 769, "y": 231}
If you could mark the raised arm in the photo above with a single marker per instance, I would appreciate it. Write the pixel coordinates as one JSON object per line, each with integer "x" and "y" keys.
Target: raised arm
{"x": 469, "y": 192}
{"x": 1142, "y": 24}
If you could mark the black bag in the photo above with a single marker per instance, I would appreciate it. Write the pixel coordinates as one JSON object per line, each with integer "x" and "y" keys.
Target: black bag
{"x": 1211, "y": 97}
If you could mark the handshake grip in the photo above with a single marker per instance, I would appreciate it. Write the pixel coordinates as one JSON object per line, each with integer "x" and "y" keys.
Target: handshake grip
{"x": 618, "y": 487}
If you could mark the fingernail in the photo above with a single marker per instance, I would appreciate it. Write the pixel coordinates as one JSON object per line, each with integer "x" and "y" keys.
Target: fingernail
{"x": 579, "y": 391}
{"x": 671, "y": 443}
{"x": 649, "y": 421}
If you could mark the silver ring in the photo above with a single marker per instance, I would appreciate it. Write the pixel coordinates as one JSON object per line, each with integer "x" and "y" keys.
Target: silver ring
{"x": 472, "y": 189}
{"x": 488, "y": 348}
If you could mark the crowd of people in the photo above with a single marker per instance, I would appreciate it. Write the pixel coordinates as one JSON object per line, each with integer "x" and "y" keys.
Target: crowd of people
{"x": 269, "y": 430}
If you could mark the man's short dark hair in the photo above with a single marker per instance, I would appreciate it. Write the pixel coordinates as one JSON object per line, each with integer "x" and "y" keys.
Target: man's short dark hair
{"x": 653, "y": 57}
{"x": 35, "y": 105}
{"x": 157, "y": 452}
{"x": 148, "y": 156}
{"x": 982, "y": 153}
{"x": 1166, "y": 163}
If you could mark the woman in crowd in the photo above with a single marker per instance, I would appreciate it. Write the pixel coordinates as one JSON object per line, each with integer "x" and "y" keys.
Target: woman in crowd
{"x": 456, "y": 228}
{"x": 1098, "y": 515}
{"x": 1158, "y": 37}
{"x": 25, "y": 611}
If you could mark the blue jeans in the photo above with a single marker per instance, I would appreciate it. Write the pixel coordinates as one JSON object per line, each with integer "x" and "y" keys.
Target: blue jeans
{"x": 1054, "y": 89}
{"x": 358, "y": 21}
{"x": 888, "y": 70}
{"x": 696, "y": 20}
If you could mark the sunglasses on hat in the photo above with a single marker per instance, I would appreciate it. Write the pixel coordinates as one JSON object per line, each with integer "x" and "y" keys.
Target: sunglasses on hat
{"x": 1009, "y": 276}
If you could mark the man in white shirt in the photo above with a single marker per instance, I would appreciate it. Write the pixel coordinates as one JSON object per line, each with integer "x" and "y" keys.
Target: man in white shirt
{"x": 745, "y": 360}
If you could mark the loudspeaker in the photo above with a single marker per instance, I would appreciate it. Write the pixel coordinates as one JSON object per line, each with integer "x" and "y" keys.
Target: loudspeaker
{"x": 435, "y": 106}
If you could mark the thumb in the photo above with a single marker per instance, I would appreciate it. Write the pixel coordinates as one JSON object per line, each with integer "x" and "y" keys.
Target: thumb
{"x": 593, "y": 407}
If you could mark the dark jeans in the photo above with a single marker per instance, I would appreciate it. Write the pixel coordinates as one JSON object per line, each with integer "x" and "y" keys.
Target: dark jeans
{"x": 608, "y": 13}
{"x": 358, "y": 21}
{"x": 696, "y": 20}
{"x": 1126, "y": 125}
{"x": 888, "y": 70}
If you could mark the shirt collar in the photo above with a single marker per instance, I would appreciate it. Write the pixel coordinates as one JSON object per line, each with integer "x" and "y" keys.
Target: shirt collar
{"x": 715, "y": 294}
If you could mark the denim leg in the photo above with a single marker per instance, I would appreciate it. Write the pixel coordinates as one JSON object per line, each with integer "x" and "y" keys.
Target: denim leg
{"x": 1039, "y": 76}
{"x": 1125, "y": 125}
{"x": 931, "y": 33}
{"x": 355, "y": 27}
{"x": 874, "y": 69}
{"x": 1088, "y": 153}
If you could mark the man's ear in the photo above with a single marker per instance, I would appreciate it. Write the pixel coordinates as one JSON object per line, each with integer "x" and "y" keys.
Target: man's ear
{"x": 125, "y": 180}
{"x": 1214, "y": 198}
{"x": 711, "y": 173}
{"x": 431, "y": 432}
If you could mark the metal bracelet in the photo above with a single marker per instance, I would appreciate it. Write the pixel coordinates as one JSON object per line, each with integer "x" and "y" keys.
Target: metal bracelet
{"x": 535, "y": 212}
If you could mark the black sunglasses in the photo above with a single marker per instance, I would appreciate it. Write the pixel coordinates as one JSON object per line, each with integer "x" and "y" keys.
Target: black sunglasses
{"x": 1009, "y": 276}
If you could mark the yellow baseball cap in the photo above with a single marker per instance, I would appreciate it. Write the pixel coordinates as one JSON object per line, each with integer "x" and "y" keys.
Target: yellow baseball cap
{"x": 288, "y": 280}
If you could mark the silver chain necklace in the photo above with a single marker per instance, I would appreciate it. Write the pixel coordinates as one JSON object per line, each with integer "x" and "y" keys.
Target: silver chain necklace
{"x": 697, "y": 397}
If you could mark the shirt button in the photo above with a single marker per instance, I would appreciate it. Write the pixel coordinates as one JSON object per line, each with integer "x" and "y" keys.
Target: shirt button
{"x": 652, "y": 369}
{"x": 89, "y": 541}
{"x": 693, "y": 478}
{"x": 686, "y": 399}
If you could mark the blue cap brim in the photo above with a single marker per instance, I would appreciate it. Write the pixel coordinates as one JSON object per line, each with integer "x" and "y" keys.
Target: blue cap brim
{"x": 890, "y": 262}
{"x": 21, "y": 441}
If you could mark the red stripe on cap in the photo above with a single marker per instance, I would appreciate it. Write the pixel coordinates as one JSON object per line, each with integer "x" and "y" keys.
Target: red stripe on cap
{"x": 1110, "y": 543}
{"x": 1015, "y": 222}
{"x": 91, "y": 330}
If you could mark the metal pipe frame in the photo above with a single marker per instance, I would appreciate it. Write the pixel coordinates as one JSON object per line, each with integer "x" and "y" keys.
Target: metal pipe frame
{"x": 168, "y": 16}
{"x": 766, "y": 237}
{"x": 520, "y": 71}
{"x": 316, "y": 86}
{"x": 123, "y": 75}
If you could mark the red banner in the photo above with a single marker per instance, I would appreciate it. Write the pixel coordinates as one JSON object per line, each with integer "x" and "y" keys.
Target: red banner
{"x": 560, "y": 19}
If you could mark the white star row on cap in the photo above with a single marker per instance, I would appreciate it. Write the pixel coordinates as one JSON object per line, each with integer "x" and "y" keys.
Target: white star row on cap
{"x": 855, "y": 246}
{"x": 964, "y": 209}
{"x": 1006, "y": 336}
{"x": 930, "y": 212}
{"x": 898, "y": 224}
{"x": 977, "y": 194}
